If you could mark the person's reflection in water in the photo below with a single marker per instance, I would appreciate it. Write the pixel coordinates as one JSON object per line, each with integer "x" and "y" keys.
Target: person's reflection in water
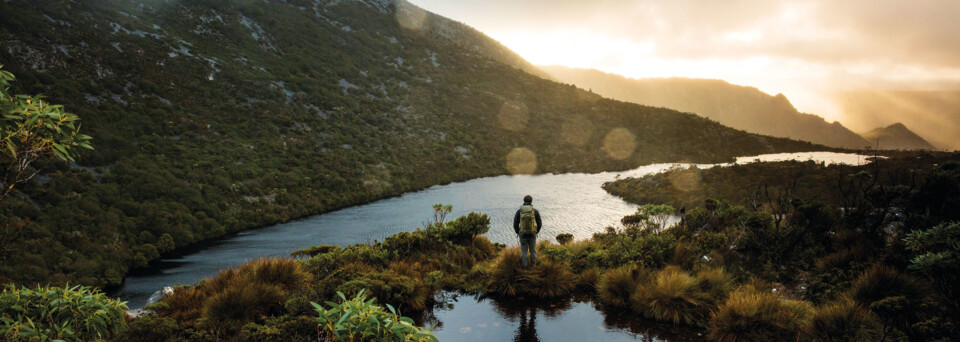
{"x": 527, "y": 332}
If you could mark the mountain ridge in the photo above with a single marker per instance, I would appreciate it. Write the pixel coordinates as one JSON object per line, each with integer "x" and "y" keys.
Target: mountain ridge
{"x": 741, "y": 107}
{"x": 896, "y": 137}
{"x": 934, "y": 114}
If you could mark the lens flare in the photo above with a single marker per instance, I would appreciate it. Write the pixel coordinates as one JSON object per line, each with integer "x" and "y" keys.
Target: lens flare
{"x": 521, "y": 161}
{"x": 619, "y": 144}
{"x": 410, "y": 16}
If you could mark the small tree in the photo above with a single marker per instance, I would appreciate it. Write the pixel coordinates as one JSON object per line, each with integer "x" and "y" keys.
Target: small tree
{"x": 31, "y": 129}
{"x": 440, "y": 212}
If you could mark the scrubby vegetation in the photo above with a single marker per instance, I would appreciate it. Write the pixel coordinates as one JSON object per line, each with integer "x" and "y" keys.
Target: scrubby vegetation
{"x": 212, "y": 117}
{"x": 820, "y": 252}
{"x": 76, "y": 313}
{"x": 730, "y": 272}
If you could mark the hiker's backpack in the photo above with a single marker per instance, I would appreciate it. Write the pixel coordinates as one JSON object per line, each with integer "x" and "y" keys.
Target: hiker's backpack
{"x": 528, "y": 223}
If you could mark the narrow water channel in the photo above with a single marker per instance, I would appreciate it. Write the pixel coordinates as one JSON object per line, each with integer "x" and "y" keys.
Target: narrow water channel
{"x": 571, "y": 203}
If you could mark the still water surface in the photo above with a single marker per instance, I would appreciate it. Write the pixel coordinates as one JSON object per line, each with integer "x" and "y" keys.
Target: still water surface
{"x": 571, "y": 203}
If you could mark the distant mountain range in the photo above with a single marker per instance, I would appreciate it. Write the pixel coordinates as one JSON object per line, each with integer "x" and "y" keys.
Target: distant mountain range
{"x": 740, "y": 107}
{"x": 934, "y": 115}
{"x": 896, "y": 137}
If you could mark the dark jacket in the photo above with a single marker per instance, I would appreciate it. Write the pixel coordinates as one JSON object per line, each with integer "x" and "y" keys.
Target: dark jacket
{"x": 516, "y": 219}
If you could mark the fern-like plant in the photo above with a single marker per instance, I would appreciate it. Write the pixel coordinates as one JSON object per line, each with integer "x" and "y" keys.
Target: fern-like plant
{"x": 76, "y": 313}
{"x": 360, "y": 319}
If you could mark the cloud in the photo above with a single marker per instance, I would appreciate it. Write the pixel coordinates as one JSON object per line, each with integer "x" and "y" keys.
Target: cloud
{"x": 818, "y": 31}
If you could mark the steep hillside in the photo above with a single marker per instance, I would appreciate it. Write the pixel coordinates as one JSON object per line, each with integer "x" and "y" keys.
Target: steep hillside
{"x": 740, "y": 107}
{"x": 211, "y": 117}
{"x": 935, "y": 115}
{"x": 896, "y": 137}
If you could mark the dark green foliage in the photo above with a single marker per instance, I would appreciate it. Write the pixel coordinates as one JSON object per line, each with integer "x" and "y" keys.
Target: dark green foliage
{"x": 564, "y": 238}
{"x": 359, "y": 319}
{"x": 206, "y": 127}
{"x": 53, "y": 313}
{"x": 151, "y": 328}
{"x": 896, "y": 298}
{"x": 281, "y": 329}
{"x": 936, "y": 254}
{"x": 314, "y": 251}
{"x": 464, "y": 228}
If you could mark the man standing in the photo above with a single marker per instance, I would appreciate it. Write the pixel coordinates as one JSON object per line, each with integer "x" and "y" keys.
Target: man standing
{"x": 526, "y": 223}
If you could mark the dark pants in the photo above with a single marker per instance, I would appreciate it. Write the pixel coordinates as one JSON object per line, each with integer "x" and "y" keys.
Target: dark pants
{"x": 528, "y": 243}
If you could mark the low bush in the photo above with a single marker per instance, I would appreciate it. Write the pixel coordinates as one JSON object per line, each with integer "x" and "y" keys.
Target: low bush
{"x": 895, "y": 297}
{"x": 564, "y": 238}
{"x": 56, "y": 313}
{"x": 359, "y": 319}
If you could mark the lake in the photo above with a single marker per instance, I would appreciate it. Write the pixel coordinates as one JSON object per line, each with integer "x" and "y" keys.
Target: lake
{"x": 571, "y": 203}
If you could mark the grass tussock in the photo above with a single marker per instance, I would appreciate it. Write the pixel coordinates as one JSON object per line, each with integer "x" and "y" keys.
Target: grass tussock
{"x": 505, "y": 276}
{"x": 236, "y": 296}
{"x": 227, "y": 311}
{"x": 588, "y": 279}
{"x": 616, "y": 285}
{"x": 715, "y": 283}
{"x": 844, "y": 320}
{"x": 671, "y": 295}
{"x": 758, "y": 316}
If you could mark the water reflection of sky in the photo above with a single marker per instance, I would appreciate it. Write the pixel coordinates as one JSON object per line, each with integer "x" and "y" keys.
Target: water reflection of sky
{"x": 571, "y": 203}
{"x": 471, "y": 319}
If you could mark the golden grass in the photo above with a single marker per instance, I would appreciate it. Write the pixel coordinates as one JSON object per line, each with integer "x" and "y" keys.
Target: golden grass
{"x": 844, "y": 320}
{"x": 616, "y": 285}
{"x": 671, "y": 295}
{"x": 547, "y": 279}
{"x": 758, "y": 316}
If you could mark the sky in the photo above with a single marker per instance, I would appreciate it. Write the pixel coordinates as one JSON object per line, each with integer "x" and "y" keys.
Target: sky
{"x": 803, "y": 49}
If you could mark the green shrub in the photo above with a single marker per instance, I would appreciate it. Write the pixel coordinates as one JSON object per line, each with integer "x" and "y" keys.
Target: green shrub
{"x": 554, "y": 253}
{"x": 758, "y": 316}
{"x": 564, "y": 238}
{"x": 313, "y": 251}
{"x": 150, "y": 328}
{"x": 464, "y": 228}
{"x": 281, "y": 329}
{"x": 895, "y": 297}
{"x": 359, "y": 319}
{"x": 844, "y": 320}
{"x": 55, "y": 313}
